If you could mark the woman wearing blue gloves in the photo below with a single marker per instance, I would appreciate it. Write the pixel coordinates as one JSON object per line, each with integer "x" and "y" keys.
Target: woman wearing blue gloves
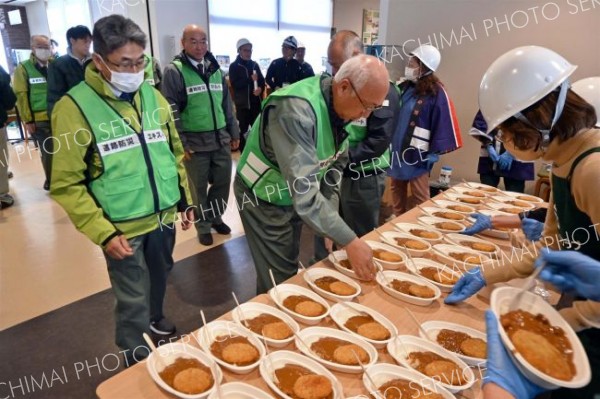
{"x": 532, "y": 223}
{"x": 525, "y": 93}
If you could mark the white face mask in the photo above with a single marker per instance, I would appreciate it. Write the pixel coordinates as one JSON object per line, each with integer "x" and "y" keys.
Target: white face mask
{"x": 411, "y": 73}
{"x": 42, "y": 54}
{"x": 127, "y": 82}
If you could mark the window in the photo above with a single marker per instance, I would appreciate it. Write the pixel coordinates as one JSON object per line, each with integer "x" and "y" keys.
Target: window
{"x": 266, "y": 24}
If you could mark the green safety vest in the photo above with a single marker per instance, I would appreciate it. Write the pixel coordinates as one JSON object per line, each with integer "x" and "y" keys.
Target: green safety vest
{"x": 38, "y": 87}
{"x": 357, "y": 131}
{"x": 263, "y": 176}
{"x": 140, "y": 175}
{"x": 149, "y": 71}
{"x": 204, "y": 111}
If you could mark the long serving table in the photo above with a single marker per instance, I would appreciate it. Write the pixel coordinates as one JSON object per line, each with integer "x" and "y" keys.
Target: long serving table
{"x": 135, "y": 382}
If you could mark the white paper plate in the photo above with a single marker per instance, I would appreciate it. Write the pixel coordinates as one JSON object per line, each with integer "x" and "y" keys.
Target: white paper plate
{"x": 210, "y": 332}
{"x": 314, "y": 273}
{"x": 431, "y": 221}
{"x": 502, "y": 299}
{"x": 433, "y": 328}
{"x": 382, "y": 373}
{"x": 471, "y": 192}
{"x": 407, "y": 227}
{"x": 507, "y": 209}
{"x": 481, "y": 187}
{"x": 386, "y": 247}
{"x": 311, "y": 335}
{"x": 503, "y": 199}
{"x": 457, "y": 239}
{"x": 170, "y": 352}
{"x": 251, "y": 310}
{"x": 391, "y": 275}
{"x": 390, "y": 237}
{"x": 442, "y": 252}
{"x": 446, "y": 204}
{"x": 465, "y": 199}
{"x": 422, "y": 263}
{"x": 406, "y": 344}
{"x": 438, "y": 212}
{"x": 279, "y": 359}
{"x": 524, "y": 197}
{"x": 283, "y": 291}
{"x": 340, "y": 313}
{"x": 239, "y": 390}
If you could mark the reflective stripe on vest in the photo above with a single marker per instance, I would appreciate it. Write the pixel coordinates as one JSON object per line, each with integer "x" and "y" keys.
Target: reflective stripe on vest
{"x": 264, "y": 177}
{"x": 357, "y": 131}
{"x": 38, "y": 87}
{"x": 140, "y": 175}
{"x": 204, "y": 110}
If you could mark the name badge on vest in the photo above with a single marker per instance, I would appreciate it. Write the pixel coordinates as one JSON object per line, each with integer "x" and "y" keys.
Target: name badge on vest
{"x": 359, "y": 122}
{"x": 154, "y": 136}
{"x": 150, "y": 81}
{"x": 196, "y": 89}
{"x": 216, "y": 87}
{"x": 118, "y": 145}
{"x": 34, "y": 81}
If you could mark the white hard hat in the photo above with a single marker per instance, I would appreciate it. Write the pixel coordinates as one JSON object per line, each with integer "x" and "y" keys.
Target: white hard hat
{"x": 589, "y": 90}
{"x": 290, "y": 41}
{"x": 301, "y": 45}
{"x": 242, "y": 42}
{"x": 518, "y": 79}
{"x": 429, "y": 55}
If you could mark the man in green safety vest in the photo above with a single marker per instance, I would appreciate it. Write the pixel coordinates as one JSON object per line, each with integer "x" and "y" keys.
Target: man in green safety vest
{"x": 152, "y": 72}
{"x": 369, "y": 139}
{"x": 196, "y": 88}
{"x": 118, "y": 173}
{"x": 31, "y": 87}
{"x": 291, "y": 167}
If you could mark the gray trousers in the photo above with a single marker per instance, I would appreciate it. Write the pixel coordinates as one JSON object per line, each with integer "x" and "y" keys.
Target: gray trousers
{"x": 211, "y": 201}
{"x": 360, "y": 202}
{"x": 45, "y": 143}
{"x": 139, "y": 283}
{"x": 3, "y": 161}
{"x": 273, "y": 235}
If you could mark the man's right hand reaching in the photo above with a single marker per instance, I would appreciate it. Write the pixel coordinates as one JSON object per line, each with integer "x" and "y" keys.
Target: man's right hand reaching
{"x": 118, "y": 248}
{"x": 360, "y": 256}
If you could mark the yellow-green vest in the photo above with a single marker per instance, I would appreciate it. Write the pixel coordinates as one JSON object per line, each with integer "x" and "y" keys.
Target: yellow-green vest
{"x": 149, "y": 71}
{"x": 38, "y": 87}
{"x": 357, "y": 131}
{"x": 261, "y": 175}
{"x": 139, "y": 169}
{"x": 204, "y": 109}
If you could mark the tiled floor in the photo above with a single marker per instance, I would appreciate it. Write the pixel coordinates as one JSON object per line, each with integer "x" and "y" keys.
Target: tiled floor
{"x": 44, "y": 262}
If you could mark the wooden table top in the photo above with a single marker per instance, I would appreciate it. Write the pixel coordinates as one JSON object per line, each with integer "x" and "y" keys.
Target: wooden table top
{"x": 135, "y": 382}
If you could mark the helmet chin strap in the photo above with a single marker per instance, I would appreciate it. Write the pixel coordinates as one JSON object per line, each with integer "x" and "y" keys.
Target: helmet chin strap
{"x": 560, "y": 104}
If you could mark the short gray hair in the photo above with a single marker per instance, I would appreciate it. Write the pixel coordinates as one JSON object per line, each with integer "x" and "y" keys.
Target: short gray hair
{"x": 352, "y": 44}
{"x": 115, "y": 31}
{"x": 38, "y": 36}
{"x": 357, "y": 69}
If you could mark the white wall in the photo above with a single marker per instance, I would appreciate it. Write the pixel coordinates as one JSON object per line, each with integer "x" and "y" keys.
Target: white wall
{"x": 348, "y": 14}
{"x": 169, "y": 18}
{"x": 567, "y": 26}
{"x": 36, "y": 18}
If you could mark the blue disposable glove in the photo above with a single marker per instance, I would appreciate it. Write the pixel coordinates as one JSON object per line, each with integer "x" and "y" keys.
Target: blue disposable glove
{"x": 467, "y": 286}
{"x": 500, "y": 368}
{"x": 532, "y": 229}
{"x": 571, "y": 271}
{"x": 482, "y": 222}
{"x": 431, "y": 159}
{"x": 505, "y": 161}
{"x": 492, "y": 153}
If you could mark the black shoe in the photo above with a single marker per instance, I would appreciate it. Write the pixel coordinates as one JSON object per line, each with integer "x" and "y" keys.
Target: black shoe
{"x": 10, "y": 174}
{"x": 222, "y": 228}
{"x": 6, "y": 201}
{"x": 162, "y": 327}
{"x": 205, "y": 239}
{"x": 46, "y": 185}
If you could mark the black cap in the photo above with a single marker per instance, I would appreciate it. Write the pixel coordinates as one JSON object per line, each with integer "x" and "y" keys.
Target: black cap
{"x": 78, "y": 32}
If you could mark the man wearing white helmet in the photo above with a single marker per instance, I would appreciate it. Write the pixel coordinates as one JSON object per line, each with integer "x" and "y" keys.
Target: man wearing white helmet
{"x": 285, "y": 70}
{"x": 306, "y": 68}
{"x": 248, "y": 85}
{"x": 525, "y": 93}
{"x": 427, "y": 126}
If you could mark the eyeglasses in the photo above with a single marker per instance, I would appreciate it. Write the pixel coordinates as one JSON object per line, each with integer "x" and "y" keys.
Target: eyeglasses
{"x": 369, "y": 108}
{"x": 138, "y": 65}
